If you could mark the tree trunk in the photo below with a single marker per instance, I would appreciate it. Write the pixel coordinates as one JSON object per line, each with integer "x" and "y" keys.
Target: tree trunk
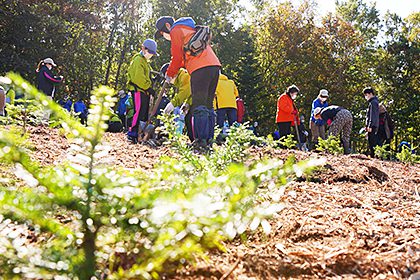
{"x": 110, "y": 57}
{"x": 120, "y": 62}
{"x": 117, "y": 20}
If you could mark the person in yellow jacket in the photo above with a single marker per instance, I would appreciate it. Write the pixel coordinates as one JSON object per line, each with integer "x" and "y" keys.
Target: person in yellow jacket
{"x": 140, "y": 86}
{"x": 183, "y": 91}
{"x": 182, "y": 97}
{"x": 225, "y": 101}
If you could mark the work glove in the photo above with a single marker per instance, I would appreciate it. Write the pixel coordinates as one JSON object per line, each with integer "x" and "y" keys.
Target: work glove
{"x": 170, "y": 80}
{"x": 185, "y": 108}
{"x": 329, "y": 122}
{"x": 169, "y": 108}
{"x": 151, "y": 91}
{"x": 305, "y": 133}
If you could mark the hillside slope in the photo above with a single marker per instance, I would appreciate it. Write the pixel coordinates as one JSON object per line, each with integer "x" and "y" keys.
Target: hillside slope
{"x": 354, "y": 218}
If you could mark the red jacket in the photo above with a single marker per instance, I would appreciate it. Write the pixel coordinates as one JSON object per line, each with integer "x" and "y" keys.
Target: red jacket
{"x": 285, "y": 109}
{"x": 180, "y": 35}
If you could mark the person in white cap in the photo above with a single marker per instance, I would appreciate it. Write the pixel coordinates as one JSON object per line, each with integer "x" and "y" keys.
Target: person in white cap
{"x": 317, "y": 126}
{"x": 46, "y": 80}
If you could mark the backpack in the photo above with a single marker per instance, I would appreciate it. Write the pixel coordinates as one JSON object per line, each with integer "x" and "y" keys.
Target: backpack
{"x": 241, "y": 109}
{"x": 199, "y": 41}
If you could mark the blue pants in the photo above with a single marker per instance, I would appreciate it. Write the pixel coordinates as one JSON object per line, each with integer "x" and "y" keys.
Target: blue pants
{"x": 230, "y": 113}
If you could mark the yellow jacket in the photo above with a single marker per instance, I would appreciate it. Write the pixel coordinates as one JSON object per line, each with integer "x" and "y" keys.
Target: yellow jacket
{"x": 226, "y": 93}
{"x": 182, "y": 83}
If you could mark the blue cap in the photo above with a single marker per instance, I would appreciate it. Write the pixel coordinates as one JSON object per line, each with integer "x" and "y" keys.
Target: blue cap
{"x": 151, "y": 46}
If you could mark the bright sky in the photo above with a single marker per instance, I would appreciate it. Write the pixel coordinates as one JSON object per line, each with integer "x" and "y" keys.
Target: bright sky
{"x": 402, "y": 7}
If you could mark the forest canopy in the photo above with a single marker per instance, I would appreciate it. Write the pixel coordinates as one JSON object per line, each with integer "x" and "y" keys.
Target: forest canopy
{"x": 277, "y": 45}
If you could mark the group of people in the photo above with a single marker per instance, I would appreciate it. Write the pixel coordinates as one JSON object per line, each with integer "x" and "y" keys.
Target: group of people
{"x": 79, "y": 108}
{"x": 205, "y": 98}
{"x": 378, "y": 126}
{"x": 194, "y": 73}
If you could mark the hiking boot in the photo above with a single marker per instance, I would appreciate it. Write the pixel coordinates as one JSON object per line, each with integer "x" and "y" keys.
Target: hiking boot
{"x": 152, "y": 143}
{"x": 132, "y": 139}
{"x": 200, "y": 146}
{"x": 347, "y": 149}
{"x": 220, "y": 139}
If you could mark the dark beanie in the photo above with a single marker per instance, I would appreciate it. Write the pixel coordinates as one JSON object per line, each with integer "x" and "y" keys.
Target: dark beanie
{"x": 161, "y": 25}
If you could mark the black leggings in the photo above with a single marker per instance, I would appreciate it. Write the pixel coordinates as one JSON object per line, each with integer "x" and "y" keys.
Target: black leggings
{"x": 203, "y": 86}
{"x": 141, "y": 102}
{"x": 373, "y": 141}
{"x": 284, "y": 128}
{"x": 188, "y": 124}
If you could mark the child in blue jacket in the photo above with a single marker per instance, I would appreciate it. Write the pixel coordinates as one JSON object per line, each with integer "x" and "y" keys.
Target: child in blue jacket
{"x": 317, "y": 126}
{"x": 80, "y": 108}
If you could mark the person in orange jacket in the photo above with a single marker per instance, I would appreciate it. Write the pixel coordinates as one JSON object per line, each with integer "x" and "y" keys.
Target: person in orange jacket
{"x": 204, "y": 69}
{"x": 287, "y": 112}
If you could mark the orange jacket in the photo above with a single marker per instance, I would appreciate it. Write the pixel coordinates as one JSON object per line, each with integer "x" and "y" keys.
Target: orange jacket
{"x": 285, "y": 109}
{"x": 180, "y": 35}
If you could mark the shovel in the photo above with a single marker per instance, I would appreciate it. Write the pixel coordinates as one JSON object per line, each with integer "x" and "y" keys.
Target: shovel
{"x": 298, "y": 135}
{"x": 153, "y": 111}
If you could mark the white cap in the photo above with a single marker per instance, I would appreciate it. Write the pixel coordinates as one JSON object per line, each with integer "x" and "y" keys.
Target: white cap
{"x": 323, "y": 93}
{"x": 121, "y": 93}
{"x": 50, "y": 61}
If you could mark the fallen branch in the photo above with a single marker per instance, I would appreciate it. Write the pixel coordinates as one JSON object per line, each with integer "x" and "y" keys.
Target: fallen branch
{"x": 227, "y": 274}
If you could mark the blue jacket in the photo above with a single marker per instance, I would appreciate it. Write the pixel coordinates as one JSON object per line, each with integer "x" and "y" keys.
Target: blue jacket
{"x": 315, "y": 104}
{"x": 184, "y": 21}
{"x": 80, "y": 107}
{"x": 121, "y": 108}
{"x": 67, "y": 105}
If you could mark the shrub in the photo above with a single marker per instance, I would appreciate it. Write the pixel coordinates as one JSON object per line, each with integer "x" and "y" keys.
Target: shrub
{"x": 29, "y": 112}
{"x": 406, "y": 155}
{"x": 288, "y": 142}
{"x": 383, "y": 152}
{"x": 23, "y": 113}
{"x": 331, "y": 145}
{"x": 128, "y": 224}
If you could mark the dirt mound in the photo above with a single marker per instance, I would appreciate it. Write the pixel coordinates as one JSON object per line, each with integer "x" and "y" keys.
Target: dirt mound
{"x": 354, "y": 218}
